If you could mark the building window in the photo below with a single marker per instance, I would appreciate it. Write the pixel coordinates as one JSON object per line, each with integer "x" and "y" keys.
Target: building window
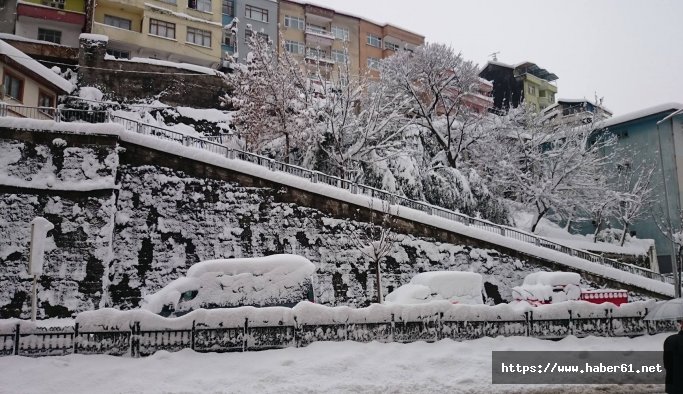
{"x": 13, "y": 86}
{"x": 199, "y": 37}
{"x": 199, "y": 5}
{"x": 256, "y": 13}
{"x": 531, "y": 90}
{"x": 340, "y": 33}
{"x": 161, "y": 28}
{"x": 50, "y": 35}
{"x": 373, "y": 63}
{"x": 119, "y": 54}
{"x": 261, "y": 36}
{"x": 228, "y": 7}
{"x": 374, "y": 41}
{"x": 54, "y": 3}
{"x": 115, "y": 21}
{"x": 229, "y": 38}
{"x": 294, "y": 22}
{"x": 46, "y": 99}
{"x": 391, "y": 46}
{"x": 295, "y": 47}
{"x": 339, "y": 56}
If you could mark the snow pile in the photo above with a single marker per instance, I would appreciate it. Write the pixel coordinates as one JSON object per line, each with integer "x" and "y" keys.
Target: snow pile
{"x": 266, "y": 281}
{"x": 552, "y": 278}
{"x": 93, "y": 37}
{"x": 543, "y": 287}
{"x": 453, "y": 286}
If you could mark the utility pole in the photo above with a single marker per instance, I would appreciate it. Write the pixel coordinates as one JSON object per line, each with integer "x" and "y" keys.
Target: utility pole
{"x": 39, "y": 228}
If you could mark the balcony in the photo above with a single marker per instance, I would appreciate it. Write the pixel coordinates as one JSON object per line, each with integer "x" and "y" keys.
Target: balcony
{"x": 318, "y": 15}
{"x": 53, "y": 14}
{"x": 318, "y": 57}
{"x": 116, "y": 34}
{"x": 318, "y": 37}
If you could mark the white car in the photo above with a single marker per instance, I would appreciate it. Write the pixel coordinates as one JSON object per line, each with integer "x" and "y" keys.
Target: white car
{"x": 277, "y": 280}
{"x": 455, "y": 286}
{"x": 548, "y": 288}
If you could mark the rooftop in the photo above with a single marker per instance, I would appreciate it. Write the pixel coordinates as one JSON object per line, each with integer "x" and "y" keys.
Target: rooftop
{"x": 28, "y": 63}
{"x": 643, "y": 113}
{"x": 525, "y": 67}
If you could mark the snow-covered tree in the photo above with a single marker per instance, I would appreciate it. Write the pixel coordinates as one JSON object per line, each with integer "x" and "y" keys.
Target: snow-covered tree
{"x": 361, "y": 123}
{"x": 550, "y": 168}
{"x": 273, "y": 99}
{"x": 635, "y": 194}
{"x": 376, "y": 241}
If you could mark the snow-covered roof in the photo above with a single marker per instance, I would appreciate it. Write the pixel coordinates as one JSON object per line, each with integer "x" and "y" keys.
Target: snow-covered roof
{"x": 38, "y": 69}
{"x": 631, "y": 116}
{"x": 14, "y": 37}
{"x": 93, "y": 37}
{"x": 575, "y": 101}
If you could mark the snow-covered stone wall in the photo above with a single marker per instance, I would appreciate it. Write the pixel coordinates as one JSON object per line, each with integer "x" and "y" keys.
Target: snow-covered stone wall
{"x": 124, "y": 230}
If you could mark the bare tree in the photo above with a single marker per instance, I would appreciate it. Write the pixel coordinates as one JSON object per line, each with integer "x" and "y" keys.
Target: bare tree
{"x": 376, "y": 241}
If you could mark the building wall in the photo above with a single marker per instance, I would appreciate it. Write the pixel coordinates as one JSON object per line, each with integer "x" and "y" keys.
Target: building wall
{"x": 638, "y": 142}
{"x": 367, "y": 51}
{"x": 8, "y": 8}
{"x": 226, "y": 20}
{"x": 269, "y": 28}
{"x": 31, "y": 88}
{"x": 141, "y": 43}
{"x": 28, "y": 27}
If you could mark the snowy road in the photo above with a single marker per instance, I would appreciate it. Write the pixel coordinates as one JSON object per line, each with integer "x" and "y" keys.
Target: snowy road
{"x": 349, "y": 367}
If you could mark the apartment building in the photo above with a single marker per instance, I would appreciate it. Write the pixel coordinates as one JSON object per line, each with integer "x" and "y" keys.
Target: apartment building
{"x": 188, "y": 31}
{"x": 575, "y": 111}
{"x": 523, "y": 82}
{"x": 255, "y": 17}
{"x": 55, "y": 21}
{"x": 379, "y": 41}
{"x": 324, "y": 37}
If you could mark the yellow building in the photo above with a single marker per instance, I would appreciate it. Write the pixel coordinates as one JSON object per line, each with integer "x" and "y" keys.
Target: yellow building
{"x": 324, "y": 37}
{"x": 538, "y": 85}
{"x": 175, "y": 30}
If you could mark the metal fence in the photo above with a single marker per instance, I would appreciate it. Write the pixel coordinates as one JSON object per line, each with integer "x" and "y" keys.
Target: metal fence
{"x": 136, "y": 341}
{"x": 216, "y": 145}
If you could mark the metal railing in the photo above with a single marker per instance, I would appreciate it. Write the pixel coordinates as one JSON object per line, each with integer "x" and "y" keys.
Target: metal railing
{"x": 210, "y": 145}
{"x": 55, "y": 114}
{"x": 138, "y": 341}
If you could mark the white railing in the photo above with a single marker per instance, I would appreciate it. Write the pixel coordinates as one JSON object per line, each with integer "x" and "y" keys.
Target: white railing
{"x": 395, "y": 199}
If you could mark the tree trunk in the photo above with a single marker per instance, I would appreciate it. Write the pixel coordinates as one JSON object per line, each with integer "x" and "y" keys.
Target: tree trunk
{"x": 287, "y": 148}
{"x": 537, "y": 219}
{"x": 380, "y": 298}
{"x": 597, "y": 230}
{"x": 623, "y": 235}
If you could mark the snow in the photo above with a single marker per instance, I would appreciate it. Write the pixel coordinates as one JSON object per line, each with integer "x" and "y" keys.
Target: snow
{"x": 181, "y": 15}
{"x": 639, "y": 114}
{"x": 26, "y": 61}
{"x": 40, "y": 226}
{"x": 93, "y": 37}
{"x": 90, "y": 93}
{"x": 552, "y": 278}
{"x": 452, "y": 286}
{"x": 272, "y": 280}
{"x": 445, "y": 366}
{"x": 362, "y": 200}
{"x": 13, "y": 37}
{"x": 166, "y": 63}
{"x": 208, "y": 114}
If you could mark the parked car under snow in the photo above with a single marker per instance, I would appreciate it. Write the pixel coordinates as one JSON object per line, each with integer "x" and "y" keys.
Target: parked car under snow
{"x": 455, "y": 286}
{"x": 277, "y": 280}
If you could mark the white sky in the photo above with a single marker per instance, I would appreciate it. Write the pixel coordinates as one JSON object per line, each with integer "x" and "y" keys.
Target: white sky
{"x": 628, "y": 51}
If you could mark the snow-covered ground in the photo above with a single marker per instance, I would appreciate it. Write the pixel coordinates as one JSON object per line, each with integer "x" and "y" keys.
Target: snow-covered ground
{"x": 442, "y": 367}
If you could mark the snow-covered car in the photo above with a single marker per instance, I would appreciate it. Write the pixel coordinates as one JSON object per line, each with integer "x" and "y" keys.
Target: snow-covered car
{"x": 277, "y": 280}
{"x": 541, "y": 288}
{"x": 455, "y": 286}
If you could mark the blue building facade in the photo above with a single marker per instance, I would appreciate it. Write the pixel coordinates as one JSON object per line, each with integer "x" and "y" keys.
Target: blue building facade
{"x": 639, "y": 137}
{"x": 228, "y": 10}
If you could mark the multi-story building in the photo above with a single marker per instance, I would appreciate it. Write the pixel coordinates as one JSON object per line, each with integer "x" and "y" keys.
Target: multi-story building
{"x": 55, "y": 21}
{"x": 325, "y": 37}
{"x": 230, "y": 31}
{"x": 522, "y": 82}
{"x": 255, "y": 17}
{"x": 575, "y": 111}
{"x": 381, "y": 41}
{"x": 176, "y": 30}
{"x": 653, "y": 137}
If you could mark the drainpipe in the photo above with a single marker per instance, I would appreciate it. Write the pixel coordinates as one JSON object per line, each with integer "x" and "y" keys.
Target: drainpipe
{"x": 674, "y": 254}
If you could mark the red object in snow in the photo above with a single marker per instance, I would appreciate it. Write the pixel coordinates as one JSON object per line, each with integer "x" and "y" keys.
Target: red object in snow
{"x": 616, "y": 297}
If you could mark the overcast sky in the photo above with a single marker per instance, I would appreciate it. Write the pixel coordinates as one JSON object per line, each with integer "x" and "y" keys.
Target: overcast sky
{"x": 628, "y": 51}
